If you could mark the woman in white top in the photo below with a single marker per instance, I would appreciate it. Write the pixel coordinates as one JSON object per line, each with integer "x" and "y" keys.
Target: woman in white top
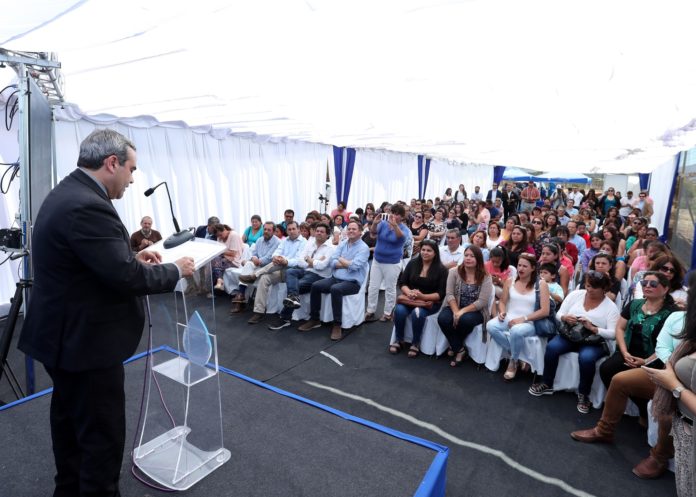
{"x": 494, "y": 236}
{"x": 516, "y": 312}
{"x": 598, "y": 313}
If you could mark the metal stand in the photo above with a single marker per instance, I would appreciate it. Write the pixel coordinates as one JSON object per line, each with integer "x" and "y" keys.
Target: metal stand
{"x": 6, "y": 340}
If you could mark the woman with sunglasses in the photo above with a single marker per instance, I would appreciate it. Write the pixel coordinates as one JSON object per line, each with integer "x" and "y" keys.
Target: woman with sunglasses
{"x": 516, "y": 312}
{"x": 419, "y": 231}
{"x": 517, "y": 244}
{"x": 467, "y": 299}
{"x": 638, "y": 327}
{"x": 644, "y": 333}
{"x": 422, "y": 285}
{"x": 672, "y": 269}
{"x": 591, "y": 307}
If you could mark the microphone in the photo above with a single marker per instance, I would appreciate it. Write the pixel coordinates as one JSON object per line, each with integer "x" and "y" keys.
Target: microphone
{"x": 180, "y": 236}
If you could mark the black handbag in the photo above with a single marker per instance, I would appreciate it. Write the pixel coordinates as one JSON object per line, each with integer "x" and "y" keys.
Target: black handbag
{"x": 577, "y": 333}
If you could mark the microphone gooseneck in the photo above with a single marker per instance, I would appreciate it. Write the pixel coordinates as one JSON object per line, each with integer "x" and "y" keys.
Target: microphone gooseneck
{"x": 179, "y": 236}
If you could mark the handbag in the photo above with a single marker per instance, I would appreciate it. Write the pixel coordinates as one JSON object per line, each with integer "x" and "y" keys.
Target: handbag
{"x": 577, "y": 333}
{"x": 544, "y": 327}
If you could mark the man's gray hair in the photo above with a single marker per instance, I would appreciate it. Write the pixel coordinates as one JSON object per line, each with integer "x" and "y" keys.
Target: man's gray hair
{"x": 100, "y": 144}
{"x": 212, "y": 220}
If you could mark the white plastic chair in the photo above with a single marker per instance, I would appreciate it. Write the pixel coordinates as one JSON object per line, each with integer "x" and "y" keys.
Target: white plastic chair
{"x": 353, "y": 308}
{"x": 433, "y": 341}
{"x": 474, "y": 343}
{"x": 532, "y": 353}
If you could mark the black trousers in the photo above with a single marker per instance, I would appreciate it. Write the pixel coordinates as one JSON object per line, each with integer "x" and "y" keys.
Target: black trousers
{"x": 88, "y": 429}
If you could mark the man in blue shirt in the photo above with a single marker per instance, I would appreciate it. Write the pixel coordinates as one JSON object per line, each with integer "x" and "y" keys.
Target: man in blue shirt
{"x": 287, "y": 255}
{"x": 349, "y": 263}
{"x": 261, "y": 254}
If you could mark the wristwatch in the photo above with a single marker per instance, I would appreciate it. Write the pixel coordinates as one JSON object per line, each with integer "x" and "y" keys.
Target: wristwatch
{"x": 677, "y": 392}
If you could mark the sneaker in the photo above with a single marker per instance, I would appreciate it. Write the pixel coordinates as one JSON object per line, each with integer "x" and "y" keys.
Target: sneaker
{"x": 292, "y": 302}
{"x": 584, "y": 404}
{"x": 539, "y": 389}
{"x": 279, "y": 324}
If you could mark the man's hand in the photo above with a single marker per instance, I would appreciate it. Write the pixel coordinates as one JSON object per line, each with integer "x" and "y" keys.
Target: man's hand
{"x": 185, "y": 265}
{"x": 256, "y": 261}
{"x": 279, "y": 260}
{"x": 149, "y": 257}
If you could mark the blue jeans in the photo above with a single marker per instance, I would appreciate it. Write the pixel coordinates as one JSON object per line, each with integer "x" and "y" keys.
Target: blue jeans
{"x": 298, "y": 282}
{"x": 588, "y": 355}
{"x": 518, "y": 333}
{"x": 338, "y": 289}
{"x": 456, "y": 335}
{"x": 417, "y": 314}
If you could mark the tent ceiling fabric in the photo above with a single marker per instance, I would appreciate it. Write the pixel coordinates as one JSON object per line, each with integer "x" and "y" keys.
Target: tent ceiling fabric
{"x": 590, "y": 87}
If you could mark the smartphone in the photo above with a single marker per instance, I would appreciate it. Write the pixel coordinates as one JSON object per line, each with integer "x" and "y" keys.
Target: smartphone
{"x": 655, "y": 364}
{"x": 385, "y": 217}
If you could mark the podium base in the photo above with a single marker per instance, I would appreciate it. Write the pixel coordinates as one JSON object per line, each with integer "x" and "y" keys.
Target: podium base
{"x": 173, "y": 462}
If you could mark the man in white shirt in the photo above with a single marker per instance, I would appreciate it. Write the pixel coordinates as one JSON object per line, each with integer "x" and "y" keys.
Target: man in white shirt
{"x": 452, "y": 254}
{"x": 570, "y": 208}
{"x": 576, "y": 196}
{"x": 312, "y": 266}
{"x": 287, "y": 255}
{"x": 477, "y": 195}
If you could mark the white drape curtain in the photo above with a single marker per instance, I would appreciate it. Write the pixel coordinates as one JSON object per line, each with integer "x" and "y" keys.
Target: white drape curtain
{"x": 660, "y": 187}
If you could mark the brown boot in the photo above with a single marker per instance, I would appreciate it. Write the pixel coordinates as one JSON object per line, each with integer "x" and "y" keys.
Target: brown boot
{"x": 649, "y": 468}
{"x": 336, "y": 332}
{"x": 592, "y": 436}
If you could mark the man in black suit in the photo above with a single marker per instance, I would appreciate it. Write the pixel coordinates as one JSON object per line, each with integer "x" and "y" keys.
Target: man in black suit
{"x": 493, "y": 194}
{"x": 85, "y": 315}
{"x": 510, "y": 200}
{"x": 208, "y": 231}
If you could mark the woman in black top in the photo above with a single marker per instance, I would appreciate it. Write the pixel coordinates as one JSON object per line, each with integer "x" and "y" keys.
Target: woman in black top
{"x": 422, "y": 286}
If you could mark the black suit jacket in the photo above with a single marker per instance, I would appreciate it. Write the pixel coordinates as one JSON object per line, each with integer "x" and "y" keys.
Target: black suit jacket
{"x": 86, "y": 310}
{"x": 491, "y": 195}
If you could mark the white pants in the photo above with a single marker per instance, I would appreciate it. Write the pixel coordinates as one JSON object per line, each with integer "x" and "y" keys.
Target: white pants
{"x": 389, "y": 273}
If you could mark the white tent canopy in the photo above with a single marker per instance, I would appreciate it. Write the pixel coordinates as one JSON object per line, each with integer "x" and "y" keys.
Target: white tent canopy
{"x": 605, "y": 86}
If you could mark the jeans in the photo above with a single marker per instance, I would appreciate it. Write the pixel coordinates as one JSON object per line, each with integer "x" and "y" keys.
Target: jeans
{"x": 338, "y": 289}
{"x": 518, "y": 333}
{"x": 417, "y": 314}
{"x": 588, "y": 355}
{"x": 298, "y": 282}
{"x": 456, "y": 335}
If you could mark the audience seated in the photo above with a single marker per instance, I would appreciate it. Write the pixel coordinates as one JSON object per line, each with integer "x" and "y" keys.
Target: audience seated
{"x": 469, "y": 291}
{"x": 254, "y": 231}
{"x": 422, "y": 286}
{"x": 516, "y": 311}
{"x": 208, "y": 231}
{"x": 145, "y": 236}
{"x": 452, "y": 253}
{"x": 312, "y": 265}
{"x": 597, "y": 313}
{"x": 349, "y": 264}
{"x": 287, "y": 255}
{"x": 231, "y": 257}
{"x": 261, "y": 255}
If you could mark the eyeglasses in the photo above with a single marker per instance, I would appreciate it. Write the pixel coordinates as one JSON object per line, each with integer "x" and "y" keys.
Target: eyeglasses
{"x": 649, "y": 283}
{"x": 668, "y": 269}
{"x": 537, "y": 222}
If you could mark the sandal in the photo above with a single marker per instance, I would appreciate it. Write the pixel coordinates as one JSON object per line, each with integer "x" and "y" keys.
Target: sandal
{"x": 385, "y": 317}
{"x": 395, "y": 348}
{"x": 413, "y": 351}
{"x": 459, "y": 358}
{"x": 450, "y": 352}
